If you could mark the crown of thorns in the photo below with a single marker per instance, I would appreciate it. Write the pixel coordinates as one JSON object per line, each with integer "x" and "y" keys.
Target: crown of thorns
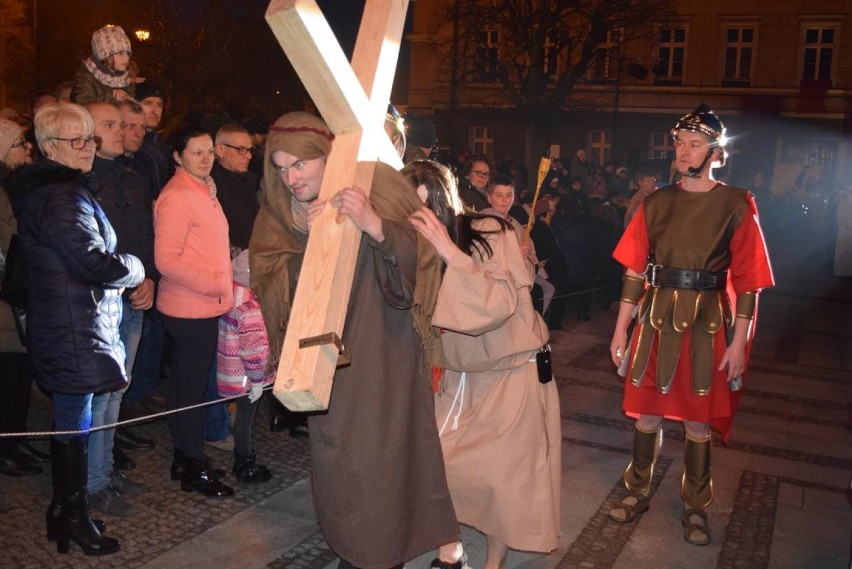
{"x": 322, "y": 133}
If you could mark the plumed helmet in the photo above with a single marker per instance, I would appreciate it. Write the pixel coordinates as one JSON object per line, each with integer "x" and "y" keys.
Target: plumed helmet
{"x": 702, "y": 120}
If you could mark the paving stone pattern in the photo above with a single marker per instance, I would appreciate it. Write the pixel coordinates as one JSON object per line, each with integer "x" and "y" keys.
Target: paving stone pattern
{"x": 748, "y": 536}
{"x": 166, "y": 516}
{"x": 809, "y": 397}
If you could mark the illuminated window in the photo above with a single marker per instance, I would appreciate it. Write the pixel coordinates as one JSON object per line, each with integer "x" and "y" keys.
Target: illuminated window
{"x": 485, "y": 62}
{"x": 600, "y": 146}
{"x": 605, "y": 64}
{"x": 739, "y": 55}
{"x": 661, "y": 146}
{"x": 671, "y": 56}
{"x": 818, "y": 49}
{"x": 480, "y": 140}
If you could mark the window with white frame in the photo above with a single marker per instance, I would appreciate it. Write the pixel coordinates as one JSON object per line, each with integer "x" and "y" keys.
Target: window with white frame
{"x": 740, "y": 42}
{"x": 485, "y": 62}
{"x": 605, "y": 65}
{"x": 819, "y": 46}
{"x": 481, "y": 140}
{"x": 600, "y": 146}
{"x": 671, "y": 55}
{"x": 661, "y": 146}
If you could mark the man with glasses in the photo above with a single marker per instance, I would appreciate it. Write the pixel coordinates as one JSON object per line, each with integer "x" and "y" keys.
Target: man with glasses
{"x": 236, "y": 190}
{"x": 236, "y": 187}
{"x": 122, "y": 194}
{"x": 477, "y": 174}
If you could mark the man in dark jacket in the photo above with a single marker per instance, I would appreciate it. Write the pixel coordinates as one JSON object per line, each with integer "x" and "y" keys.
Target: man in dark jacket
{"x": 122, "y": 193}
{"x": 236, "y": 187}
{"x": 236, "y": 190}
{"x": 151, "y": 158}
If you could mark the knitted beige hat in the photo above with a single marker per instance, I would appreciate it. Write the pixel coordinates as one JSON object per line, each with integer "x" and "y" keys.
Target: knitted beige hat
{"x": 109, "y": 40}
{"x": 10, "y": 132}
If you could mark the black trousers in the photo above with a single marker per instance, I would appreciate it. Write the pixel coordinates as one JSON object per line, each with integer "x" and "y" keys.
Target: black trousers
{"x": 243, "y": 424}
{"x": 16, "y": 385}
{"x": 194, "y": 345}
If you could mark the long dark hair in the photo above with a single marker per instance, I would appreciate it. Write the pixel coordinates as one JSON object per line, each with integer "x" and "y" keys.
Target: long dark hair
{"x": 443, "y": 199}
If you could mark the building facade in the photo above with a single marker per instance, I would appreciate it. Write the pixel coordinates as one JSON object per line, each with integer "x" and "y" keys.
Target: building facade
{"x": 778, "y": 72}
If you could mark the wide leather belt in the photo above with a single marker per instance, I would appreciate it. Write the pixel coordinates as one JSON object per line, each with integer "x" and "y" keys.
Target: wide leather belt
{"x": 660, "y": 276}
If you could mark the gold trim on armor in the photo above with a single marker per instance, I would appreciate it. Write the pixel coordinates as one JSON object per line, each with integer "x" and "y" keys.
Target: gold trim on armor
{"x": 704, "y": 439}
{"x": 703, "y": 343}
{"x": 669, "y": 341}
{"x": 632, "y": 289}
{"x": 644, "y": 340}
{"x": 745, "y": 304}
{"x": 686, "y": 304}
{"x": 646, "y": 448}
{"x": 698, "y": 492}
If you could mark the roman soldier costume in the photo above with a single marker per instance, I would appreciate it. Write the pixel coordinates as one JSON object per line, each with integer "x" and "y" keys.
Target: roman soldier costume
{"x": 704, "y": 261}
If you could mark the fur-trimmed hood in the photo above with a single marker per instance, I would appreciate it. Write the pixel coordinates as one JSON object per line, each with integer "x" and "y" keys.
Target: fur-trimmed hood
{"x": 39, "y": 174}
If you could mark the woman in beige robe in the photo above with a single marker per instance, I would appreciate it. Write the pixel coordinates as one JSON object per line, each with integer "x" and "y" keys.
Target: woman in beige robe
{"x": 500, "y": 426}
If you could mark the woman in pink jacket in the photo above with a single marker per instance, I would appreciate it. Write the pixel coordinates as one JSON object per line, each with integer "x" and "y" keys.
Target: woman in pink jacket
{"x": 191, "y": 252}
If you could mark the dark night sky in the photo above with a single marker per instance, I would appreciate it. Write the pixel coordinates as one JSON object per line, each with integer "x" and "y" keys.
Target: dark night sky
{"x": 65, "y": 28}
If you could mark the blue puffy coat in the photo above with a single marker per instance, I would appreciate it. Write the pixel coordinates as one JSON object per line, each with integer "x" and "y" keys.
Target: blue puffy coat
{"x": 75, "y": 280}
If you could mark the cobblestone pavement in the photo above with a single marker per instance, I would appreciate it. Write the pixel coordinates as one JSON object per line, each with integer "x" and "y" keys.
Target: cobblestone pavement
{"x": 781, "y": 483}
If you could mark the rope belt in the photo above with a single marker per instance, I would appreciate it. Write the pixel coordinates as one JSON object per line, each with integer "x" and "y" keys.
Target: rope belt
{"x": 660, "y": 276}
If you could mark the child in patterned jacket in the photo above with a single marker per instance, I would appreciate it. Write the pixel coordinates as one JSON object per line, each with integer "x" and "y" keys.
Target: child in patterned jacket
{"x": 243, "y": 350}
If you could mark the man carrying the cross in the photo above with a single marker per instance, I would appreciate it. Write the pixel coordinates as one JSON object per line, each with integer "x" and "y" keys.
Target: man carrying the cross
{"x": 379, "y": 484}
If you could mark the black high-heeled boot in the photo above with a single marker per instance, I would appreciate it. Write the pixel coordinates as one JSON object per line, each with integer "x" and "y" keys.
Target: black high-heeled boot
{"x": 197, "y": 477}
{"x": 75, "y": 521}
{"x": 54, "y": 509}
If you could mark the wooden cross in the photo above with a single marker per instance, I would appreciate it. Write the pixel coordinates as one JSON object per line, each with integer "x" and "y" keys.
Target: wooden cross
{"x": 353, "y": 100}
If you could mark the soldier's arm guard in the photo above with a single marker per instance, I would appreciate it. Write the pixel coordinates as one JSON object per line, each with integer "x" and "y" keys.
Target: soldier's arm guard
{"x": 632, "y": 289}
{"x": 745, "y": 304}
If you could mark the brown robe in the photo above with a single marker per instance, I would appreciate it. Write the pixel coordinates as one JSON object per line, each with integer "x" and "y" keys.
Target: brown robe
{"x": 379, "y": 486}
{"x": 502, "y": 448}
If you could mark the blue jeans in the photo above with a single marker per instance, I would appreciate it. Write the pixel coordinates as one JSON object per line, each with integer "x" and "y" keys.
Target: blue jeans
{"x": 71, "y": 413}
{"x": 146, "y": 370}
{"x": 105, "y": 406}
{"x": 216, "y": 417}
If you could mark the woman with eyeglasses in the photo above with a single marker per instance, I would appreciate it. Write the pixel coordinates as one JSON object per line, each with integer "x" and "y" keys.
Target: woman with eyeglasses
{"x": 475, "y": 177}
{"x": 192, "y": 254}
{"x": 75, "y": 281}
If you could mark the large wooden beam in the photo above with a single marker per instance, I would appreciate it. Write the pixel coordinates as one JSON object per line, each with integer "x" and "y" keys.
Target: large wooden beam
{"x": 340, "y": 92}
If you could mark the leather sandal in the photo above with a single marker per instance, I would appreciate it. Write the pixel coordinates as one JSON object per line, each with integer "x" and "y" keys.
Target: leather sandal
{"x": 696, "y": 533}
{"x": 631, "y": 511}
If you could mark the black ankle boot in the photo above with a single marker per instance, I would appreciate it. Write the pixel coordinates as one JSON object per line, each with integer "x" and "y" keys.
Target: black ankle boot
{"x": 247, "y": 470}
{"x": 198, "y": 477}
{"x": 75, "y": 522}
